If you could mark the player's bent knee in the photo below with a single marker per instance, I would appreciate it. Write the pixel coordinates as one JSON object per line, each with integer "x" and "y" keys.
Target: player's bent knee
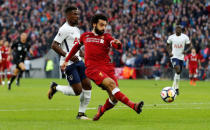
{"x": 86, "y": 85}
{"x": 78, "y": 92}
{"x": 108, "y": 84}
{"x": 114, "y": 100}
{"x": 77, "y": 89}
{"x": 177, "y": 69}
{"x": 178, "y": 72}
{"x": 111, "y": 84}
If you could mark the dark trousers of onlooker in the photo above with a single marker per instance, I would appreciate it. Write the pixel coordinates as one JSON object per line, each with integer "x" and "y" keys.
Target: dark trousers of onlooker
{"x": 48, "y": 74}
{"x": 27, "y": 74}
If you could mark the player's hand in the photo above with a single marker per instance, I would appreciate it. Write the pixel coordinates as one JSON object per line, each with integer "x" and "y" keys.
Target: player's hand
{"x": 116, "y": 44}
{"x": 74, "y": 59}
{"x": 63, "y": 66}
{"x": 200, "y": 67}
{"x": 116, "y": 41}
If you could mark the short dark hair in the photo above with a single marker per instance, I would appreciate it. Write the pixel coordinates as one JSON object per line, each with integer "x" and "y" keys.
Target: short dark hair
{"x": 70, "y": 8}
{"x": 96, "y": 18}
{"x": 179, "y": 26}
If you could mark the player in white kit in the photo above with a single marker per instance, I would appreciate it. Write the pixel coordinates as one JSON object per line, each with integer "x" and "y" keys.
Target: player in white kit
{"x": 79, "y": 84}
{"x": 178, "y": 45}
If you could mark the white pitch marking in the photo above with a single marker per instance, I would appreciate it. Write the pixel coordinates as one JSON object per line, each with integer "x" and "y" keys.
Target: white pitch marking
{"x": 166, "y": 108}
{"x": 117, "y": 107}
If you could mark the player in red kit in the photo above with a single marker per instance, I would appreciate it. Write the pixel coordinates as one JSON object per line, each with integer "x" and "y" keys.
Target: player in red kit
{"x": 1, "y": 59}
{"x": 193, "y": 60}
{"x": 5, "y": 51}
{"x": 98, "y": 66}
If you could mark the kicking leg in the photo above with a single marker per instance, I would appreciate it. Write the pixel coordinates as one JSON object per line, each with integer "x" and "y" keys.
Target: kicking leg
{"x": 110, "y": 86}
{"x": 109, "y": 104}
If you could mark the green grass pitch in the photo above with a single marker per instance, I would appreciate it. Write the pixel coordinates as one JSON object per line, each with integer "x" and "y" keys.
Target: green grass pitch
{"x": 28, "y": 108}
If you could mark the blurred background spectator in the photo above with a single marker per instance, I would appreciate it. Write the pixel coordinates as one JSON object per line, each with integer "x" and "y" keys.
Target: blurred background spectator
{"x": 27, "y": 63}
{"x": 143, "y": 26}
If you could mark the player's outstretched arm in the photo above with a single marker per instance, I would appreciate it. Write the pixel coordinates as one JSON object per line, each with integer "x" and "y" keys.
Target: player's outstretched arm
{"x": 73, "y": 51}
{"x": 56, "y": 47}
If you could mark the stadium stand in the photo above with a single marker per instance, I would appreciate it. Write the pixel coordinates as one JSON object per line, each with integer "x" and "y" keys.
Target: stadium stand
{"x": 142, "y": 25}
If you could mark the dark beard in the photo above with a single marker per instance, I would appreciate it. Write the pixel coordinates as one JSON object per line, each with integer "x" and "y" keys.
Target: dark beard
{"x": 99, "y": 32}
{"x": 178, "y": 34}
{"x": 75, "y": 23}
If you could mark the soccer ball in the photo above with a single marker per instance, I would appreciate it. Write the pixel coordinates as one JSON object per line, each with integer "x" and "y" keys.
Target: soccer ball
{"x": 168, "y": 94}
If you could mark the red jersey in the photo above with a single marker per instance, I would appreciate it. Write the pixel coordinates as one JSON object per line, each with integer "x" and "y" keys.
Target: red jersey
{"x": 4, "y": 53}
{"x": 96, "y": 48}
{"x": 193, "y": 60}
{"x": 97, "y": 60}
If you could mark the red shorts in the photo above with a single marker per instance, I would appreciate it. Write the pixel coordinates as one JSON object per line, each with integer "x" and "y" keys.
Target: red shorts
{"x": 193, "y": 70}
{"x": 98, "y": 74}
{"x": 4, "y": 65}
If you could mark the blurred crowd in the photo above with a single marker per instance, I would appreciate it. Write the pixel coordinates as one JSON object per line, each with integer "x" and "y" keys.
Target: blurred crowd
{"x": 143, "y": 26}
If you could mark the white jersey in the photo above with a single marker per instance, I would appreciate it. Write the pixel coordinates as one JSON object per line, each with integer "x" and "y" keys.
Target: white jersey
{"x": 67, "y": 36}
{"x": 178, "y": 44}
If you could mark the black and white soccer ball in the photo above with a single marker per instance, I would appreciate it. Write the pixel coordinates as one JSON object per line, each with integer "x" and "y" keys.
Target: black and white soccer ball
{"x": 168, "y": 94}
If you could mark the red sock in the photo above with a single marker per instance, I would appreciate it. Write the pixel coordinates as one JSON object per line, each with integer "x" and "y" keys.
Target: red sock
{"x": 124, "y": 99}
{"x": 3, "y": 77}
{"x": 0, "y": 80}
{"x": 9, "y": 76}
{"x": 107, "y": 106}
